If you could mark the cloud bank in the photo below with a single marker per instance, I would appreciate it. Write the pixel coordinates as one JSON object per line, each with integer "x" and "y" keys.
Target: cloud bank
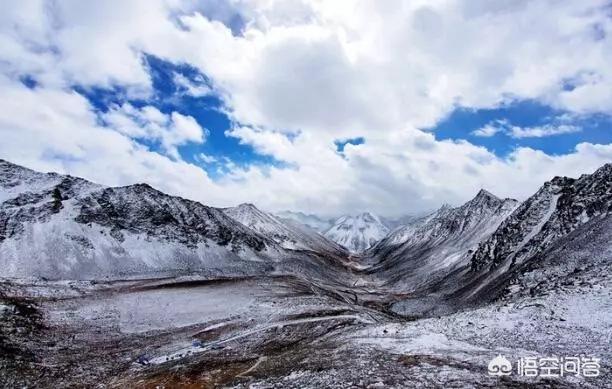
{"x": 295, "y": 76}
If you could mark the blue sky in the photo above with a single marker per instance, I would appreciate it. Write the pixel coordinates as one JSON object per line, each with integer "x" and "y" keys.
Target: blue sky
{"x": 526, "y": 113}
{"x": 207, "y": 110}
{"x": 210, "y": 113}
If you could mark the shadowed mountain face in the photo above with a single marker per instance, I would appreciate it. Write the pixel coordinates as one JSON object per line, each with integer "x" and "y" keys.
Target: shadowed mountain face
{"x": 531, "y": 236}
{"x": 559, "y": 207}
{"x": 415, "y": 256}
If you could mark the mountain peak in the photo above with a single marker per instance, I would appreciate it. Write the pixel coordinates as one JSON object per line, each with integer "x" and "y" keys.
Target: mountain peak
{"x": 484, "y": 199}
{"x": 605, "y": 170}
{"x": 445, "y": 207}
{"x": 245, "y": 206}
{"x": 357, "y": 233}
{"x": 368, "y": 217}
{"x": 485, "y": 193}
{"x": 9, "y": 168}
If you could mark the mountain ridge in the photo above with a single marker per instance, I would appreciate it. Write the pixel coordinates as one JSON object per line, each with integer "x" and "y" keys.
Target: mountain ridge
{"x": 62, "y": 226}
{"x": 417, "y": 256}
{"x": 288, "y": 235}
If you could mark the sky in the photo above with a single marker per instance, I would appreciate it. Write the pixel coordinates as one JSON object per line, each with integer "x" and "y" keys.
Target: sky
{"x": 324, "y": 107}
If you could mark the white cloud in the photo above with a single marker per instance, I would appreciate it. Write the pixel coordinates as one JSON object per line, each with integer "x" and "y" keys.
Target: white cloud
{"x": 148, "y": 123}
{"x": 207, "y": 158}
{"x": 357, "y": 66}
{"x": 542, "y": 131}
{"x": 265, "y": 142}
{"x": 303, "y": 74}
{"x": 56, "y": 130}
{"x": 560, "y": 126}
{"x": 489, "y": 129}
{"x": 195, "y": 88}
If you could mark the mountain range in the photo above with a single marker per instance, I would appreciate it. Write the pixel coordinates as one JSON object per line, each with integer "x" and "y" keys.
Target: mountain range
{"x": 354, "y": 232}
{"x": 65, "y": 227}
{"x": 128, "y": 286}
{"x": 59, "y": 226}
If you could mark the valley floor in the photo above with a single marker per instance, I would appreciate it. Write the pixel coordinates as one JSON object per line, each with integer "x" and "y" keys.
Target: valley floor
{"x": 273, "y": 332}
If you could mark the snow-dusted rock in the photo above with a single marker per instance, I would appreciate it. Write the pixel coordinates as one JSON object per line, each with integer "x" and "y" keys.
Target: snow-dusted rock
{"x": 557, "y": 208}
{"x": 357, "y": 233}
{"x": 420, "y": 254}
{"x": 65, "y": 227}
{"x": 288, "y": 234}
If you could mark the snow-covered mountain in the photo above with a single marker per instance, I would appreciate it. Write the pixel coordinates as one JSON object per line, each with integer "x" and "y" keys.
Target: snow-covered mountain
{"x": 556, "y": 209}
{"x": 357, "y": 233}
{"x": 431, "y": 247}
{"x": 288, "y": 234}
{"x": 406, "y": 220}
{"x": 60, "y": 226}
{"x": 543, "y": 223}
{"x": 480, "y": 215}
{"x": 314, "y": 222}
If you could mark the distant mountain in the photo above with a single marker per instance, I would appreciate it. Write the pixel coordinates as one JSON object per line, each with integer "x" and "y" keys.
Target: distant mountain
{"x": 322, "y": 224}
{"x": 357, "y": 233}
{"x": 312, "y": 221}
{"x": 60, "y": 226}
{"x": 406, "y": 220}
{"x": 422, "y": 253}
{"x": 287, "y": 233}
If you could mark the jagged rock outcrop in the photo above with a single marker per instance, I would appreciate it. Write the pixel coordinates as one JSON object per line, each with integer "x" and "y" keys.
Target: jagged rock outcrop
{"x": 557, "y": 208}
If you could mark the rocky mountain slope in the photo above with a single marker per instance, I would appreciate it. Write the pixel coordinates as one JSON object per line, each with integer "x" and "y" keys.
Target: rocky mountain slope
{"x": 544, "y": 220}
{"x": 65, "y": 227}
{"x": 357, "y": 233}
{"x": 556, "y": 209}
{"x": 420, "y": 254}
{"x": 288, "y": 234}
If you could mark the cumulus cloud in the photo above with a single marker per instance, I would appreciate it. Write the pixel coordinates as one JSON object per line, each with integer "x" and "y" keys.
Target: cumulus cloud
{"x": 207, "y": 158}
{"x": 298, "y": 75}
{"x": 56, "y": 130}
{"x": 148, "y": 123}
